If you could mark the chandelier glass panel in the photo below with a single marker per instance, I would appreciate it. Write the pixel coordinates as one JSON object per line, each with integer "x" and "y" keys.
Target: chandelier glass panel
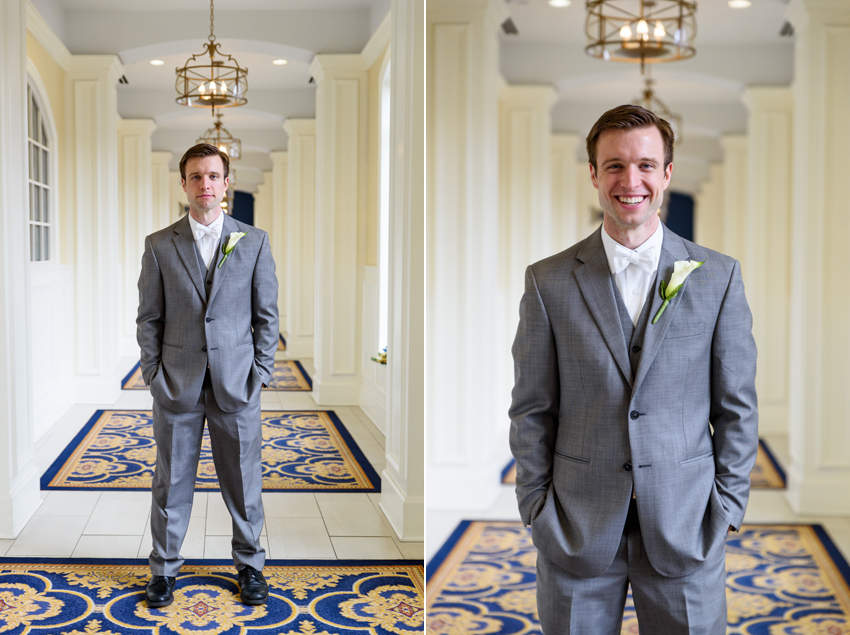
{"x": 211, "y": 79}
{"x": 644, "y": 31}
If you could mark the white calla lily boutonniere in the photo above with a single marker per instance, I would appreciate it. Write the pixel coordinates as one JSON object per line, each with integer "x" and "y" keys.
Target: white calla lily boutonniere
{"x": 228, "y": 248}
{"x": 681, "y": 270}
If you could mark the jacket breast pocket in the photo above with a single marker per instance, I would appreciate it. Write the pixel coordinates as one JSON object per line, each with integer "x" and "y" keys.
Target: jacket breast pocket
{"x": 685, "y": 330}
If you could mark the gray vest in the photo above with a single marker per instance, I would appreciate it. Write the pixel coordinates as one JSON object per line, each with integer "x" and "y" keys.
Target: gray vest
{"x": 207, "y": 274}
{"x": 633, "y": 333}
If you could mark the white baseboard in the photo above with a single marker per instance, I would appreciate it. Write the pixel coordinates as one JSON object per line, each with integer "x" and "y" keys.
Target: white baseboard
{"x": 471, "y": 488}
{"x": 818, "y": 494}
{"x": 374, "y": 404}
{"x": 406, "y": 514}
{"x": 21, "y": 504}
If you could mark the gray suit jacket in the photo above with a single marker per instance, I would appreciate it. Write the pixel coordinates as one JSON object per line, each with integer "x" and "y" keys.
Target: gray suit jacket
{"x": 578, "y": 416}
{"x": 182, "y": 328}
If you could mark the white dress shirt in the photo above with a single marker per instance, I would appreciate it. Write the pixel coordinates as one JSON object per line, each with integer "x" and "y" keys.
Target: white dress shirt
{"x": 633, "y": 269}
{"x": 207, "y": 237}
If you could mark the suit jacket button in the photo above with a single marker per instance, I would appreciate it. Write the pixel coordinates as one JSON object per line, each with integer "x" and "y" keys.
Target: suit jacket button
{"x": 627, "y": 466}
{"x": 209, "y": 319}
{"x": 635, "y": 349}
{"x": 204, "y": 349}
{"x": 634, "y": 414}
{"x": 209, "y": 281}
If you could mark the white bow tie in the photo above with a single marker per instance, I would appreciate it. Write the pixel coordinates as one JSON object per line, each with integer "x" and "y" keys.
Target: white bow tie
{"x": 623, "y": 257}
{"x": 200, "y": 231}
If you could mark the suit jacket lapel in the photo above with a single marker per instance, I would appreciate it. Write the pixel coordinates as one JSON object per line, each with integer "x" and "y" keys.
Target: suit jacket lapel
{"x": 184, "y": 242}
{"x": 672, "y": 249}
{"x": 593, "y": 280}
{"x": 219, "y": 274}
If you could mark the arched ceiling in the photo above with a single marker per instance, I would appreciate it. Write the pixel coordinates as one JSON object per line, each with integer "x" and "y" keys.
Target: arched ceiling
{"x": 736, "y": 49}
{"x": 255, "y": 32}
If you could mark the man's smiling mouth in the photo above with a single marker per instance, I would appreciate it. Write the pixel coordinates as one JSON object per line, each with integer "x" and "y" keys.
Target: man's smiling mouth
{"x": 630, "y": 200}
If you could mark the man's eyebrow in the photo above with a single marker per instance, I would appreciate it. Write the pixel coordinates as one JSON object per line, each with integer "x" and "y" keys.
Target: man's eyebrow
{"x": 641, "y": 160}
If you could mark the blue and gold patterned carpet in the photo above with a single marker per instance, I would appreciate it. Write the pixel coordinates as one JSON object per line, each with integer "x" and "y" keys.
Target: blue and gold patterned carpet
{"x": 287, "y": 375}
{"x": 780, "y": 580}
{"x": 766, "y": 473}
{"x": 302, "y": 451}
{"x": 94, "y": 597}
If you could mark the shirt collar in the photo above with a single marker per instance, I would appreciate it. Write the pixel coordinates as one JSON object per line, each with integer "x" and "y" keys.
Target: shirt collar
{"x": 216, "y": 225}
{"x": 653, "y": 242}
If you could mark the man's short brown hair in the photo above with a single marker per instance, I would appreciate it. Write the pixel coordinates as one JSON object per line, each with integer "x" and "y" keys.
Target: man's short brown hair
{"x": 629, "y": 117}
{"x": 204, "y": 150}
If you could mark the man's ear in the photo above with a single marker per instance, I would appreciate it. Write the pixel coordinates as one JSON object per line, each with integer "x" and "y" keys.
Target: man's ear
{"x": 668, "y": 174}
{"x": 183, "y": 183}
{"x": 593, "y": 176}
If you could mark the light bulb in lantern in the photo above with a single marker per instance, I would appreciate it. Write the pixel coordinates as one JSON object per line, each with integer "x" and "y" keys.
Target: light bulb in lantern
{"x": 659, "y": 31}
{"x": 626, "y": 32}
{"x": 642, "y": 27}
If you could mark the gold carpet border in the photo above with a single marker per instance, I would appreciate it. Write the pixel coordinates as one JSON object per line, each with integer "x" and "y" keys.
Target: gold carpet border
{"x": 361, "y": 478}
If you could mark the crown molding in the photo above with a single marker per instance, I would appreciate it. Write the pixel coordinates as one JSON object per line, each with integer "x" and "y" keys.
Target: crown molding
{"x": 42, "y": 32}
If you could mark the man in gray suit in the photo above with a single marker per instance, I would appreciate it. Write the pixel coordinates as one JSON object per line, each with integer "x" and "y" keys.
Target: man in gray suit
{"x": 633, "y": 421}
{"x": 208, "y": 329}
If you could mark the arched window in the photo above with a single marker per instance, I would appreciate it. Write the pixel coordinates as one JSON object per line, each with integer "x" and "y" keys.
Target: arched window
{"x": 40, "y": 182}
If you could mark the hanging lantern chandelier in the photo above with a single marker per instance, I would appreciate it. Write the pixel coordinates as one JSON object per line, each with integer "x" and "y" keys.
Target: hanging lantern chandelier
{"x": 650, "y": 101}
{"x": 220, "y": 137}
{"x": 216, "y": 81}
{"x": 645, "y": 31}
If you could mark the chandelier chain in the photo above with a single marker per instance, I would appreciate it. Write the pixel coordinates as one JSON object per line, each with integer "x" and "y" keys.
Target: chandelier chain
{"x": 211, "y": 38}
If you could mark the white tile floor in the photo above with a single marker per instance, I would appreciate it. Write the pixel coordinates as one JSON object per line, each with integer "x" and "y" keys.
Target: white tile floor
{"x": 298, "y": 525}
{"x": 765, "y": 506}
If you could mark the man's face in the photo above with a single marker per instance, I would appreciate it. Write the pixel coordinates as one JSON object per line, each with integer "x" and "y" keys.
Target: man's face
{"x": 630, "y": 176}
{"x": 205, "y": 184}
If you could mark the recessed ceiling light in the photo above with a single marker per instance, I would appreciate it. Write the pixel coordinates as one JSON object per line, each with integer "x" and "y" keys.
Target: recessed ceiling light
{"x": 157, "y": 63}
{"x": 280, "y": 62}
{"x": 559, "y": 4}
{"x": 739, "y": 4}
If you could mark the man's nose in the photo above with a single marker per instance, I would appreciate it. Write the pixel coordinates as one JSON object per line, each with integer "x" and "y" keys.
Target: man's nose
{"x": 631, "y": 177}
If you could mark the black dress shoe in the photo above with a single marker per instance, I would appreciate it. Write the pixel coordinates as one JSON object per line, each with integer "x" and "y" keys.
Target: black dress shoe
{"x": 160, "y": 591}
{"x": 252, "y": 586}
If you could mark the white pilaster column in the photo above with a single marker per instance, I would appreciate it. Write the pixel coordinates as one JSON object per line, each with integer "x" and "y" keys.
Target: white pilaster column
{"x": 735, "y": 185}
{"x": 135, "y": 218}
{"x": 176, "y": 197}
{"x": 565, "y": 196}
{"x": 403, "y": 479}
{"x": 300, "y": 237}
{"x": 819, "y": 423}
{"x": 91, "y": 129}
{"x": 263, "y": 204}
{"x": 525, "y": 190}
{"x": 767, "y": 246}
{"x": 19, "y": 486}
{"x": 341, "y": 189}
{"x": 589, "y": 210}
{"x": 160, "y": 190}
{"x": 466, "y": 357}
{"x": 280, "y": 187}
{"x": 708, "y": 228}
